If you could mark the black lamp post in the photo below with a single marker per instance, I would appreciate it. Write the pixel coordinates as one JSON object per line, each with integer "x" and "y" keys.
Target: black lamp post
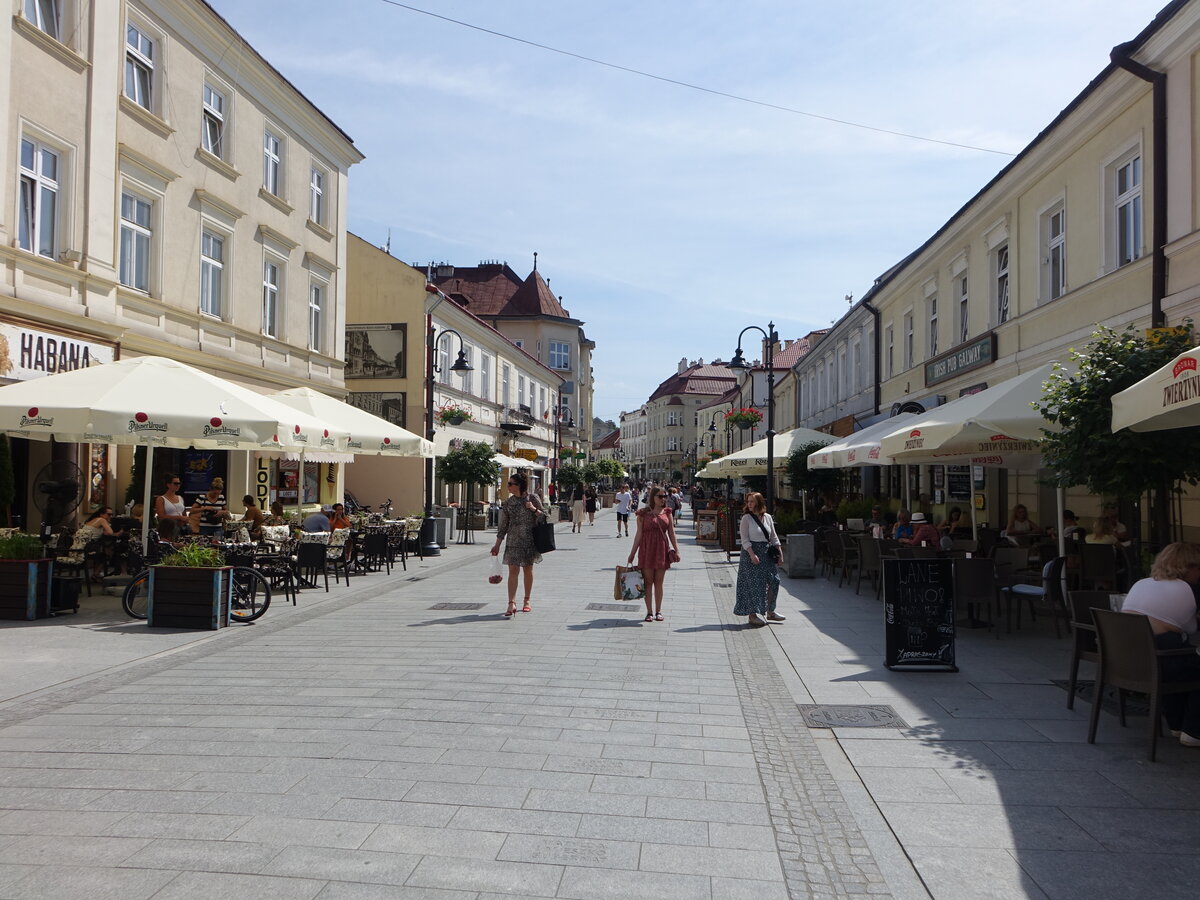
{"x": 462, "y": 367}
{"x": 738, "y": 363}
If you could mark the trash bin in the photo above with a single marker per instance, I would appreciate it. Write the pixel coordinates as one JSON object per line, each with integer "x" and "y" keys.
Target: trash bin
{"x": 564, "y": 512}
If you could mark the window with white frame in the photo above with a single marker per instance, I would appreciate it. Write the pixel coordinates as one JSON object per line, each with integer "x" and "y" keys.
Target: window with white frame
{"x": 1127, "y": 202}
{"x": 212, "y": 272}
{"x": 212, "y": 125}
{"x": 272, "y": 282}
{"x": 505, "y": 389}
{"x": 932, "y": 308}
{"x": 316, "y": 315}
{"x": 316, "y": 194}
{"x": 1054, "y": 252}
{"x": 272, "y": 163}
{"x": 564, "y": 409}
{"x": 46, "y": 15}
{"x": 521, "y": 391}
{"x": 890, "y": 351}
{"x": 964, "y": 329}
{"x": 139, "y": 66}
{"x": 560, "y": 355}
{"x": 136, "y": 241}
{"x": 542, "y": 405}
{"x": 443, "y": 358}
{"x": 485, "y": 376}
{"x": 909, "y": 345}
{"x": 37, "y": 229}
{"x": 1000, "y": 283}
{"x": 672, "y": 444}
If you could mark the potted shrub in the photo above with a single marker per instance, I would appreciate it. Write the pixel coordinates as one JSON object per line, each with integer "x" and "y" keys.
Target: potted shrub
{"x": 451, "y": 414}
{"x": 25, "y": 577}
{"x": 190, "y": 588}
{"x": 743, "y": 418}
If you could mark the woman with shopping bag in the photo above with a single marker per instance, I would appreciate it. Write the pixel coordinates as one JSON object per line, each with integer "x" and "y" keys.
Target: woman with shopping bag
{"x": 518, "y": 514}
{"x": 758, "y": 578}
{"x": 655, "y": 548}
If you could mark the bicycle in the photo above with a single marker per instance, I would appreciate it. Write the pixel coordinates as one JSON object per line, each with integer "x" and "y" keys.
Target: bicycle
{"x": 249, "y": 597}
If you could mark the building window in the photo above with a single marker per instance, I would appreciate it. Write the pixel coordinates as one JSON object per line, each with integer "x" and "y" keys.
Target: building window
{"x": 542, "y": 405}
{"x": 38, "y": 227}
{"x": 316, "y": 195}
{"x": 890, "y": 343}
{"x": 485, "y": 376}
{"x": 272, "y": 163}
{"x": 1054, "y": 252}
{"x": 45, "y": 14}
{"x": 316, "y": 315}
{"x": 963, "y": 327}
{"x": 519, "y": 344}
{"x": 505, "y": 394}
{"x": 136, "y": 234}
{"x": 933, "y": 327}
{"x": 270, "y": 299}
{"x": 139, "y": 67}
{"x": 521, "y": 391}
{"x": 560, "y": 355}
{"x": 212, "y": 128}
{"x": 212, "y": 272}
{"x": 909, "y": 347}
{"x": 1128, "y": 200}
{"x": 1000, "y": 263}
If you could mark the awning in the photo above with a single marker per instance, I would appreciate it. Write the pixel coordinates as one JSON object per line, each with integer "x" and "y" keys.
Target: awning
{"x": 1167, "y": 398}
{"x": 367, "y": 434}
{"x": 512, "y": 462}
{"x": 752, "y": 460}
{"x": 859, "y": 449}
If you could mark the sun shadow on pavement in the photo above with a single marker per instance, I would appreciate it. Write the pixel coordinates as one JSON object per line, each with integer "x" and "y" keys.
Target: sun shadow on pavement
{"x": 459, "y": 620}
{"x": 606, "y": 623}
{"x": 715, "y": 626}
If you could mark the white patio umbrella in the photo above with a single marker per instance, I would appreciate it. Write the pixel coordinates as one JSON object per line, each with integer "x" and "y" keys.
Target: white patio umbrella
{"x": 153, "y": 402}
{"x": 752, "y": 460}
{"x": 515, "y": 462}
{"x": 858, "y": 449}
{"x": 1167, "y": 398}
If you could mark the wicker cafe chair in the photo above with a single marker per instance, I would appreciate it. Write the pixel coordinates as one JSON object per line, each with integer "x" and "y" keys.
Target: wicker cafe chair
{"x": 1129, "y": 661}
{"x": 975, "y": 585}
{"x": 1083, "y": 630}
{"x": 337, "y": 553}
{"x": 833, "y": 560}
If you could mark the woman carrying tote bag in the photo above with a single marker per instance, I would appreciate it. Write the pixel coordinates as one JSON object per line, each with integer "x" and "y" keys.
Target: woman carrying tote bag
{"x": 518, "y": 514}
{"x": 758, "y": 578}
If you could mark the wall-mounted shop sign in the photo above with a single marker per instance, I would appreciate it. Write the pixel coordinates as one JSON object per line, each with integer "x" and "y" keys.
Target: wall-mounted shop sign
{"x": 973, "y": 355}
{"x": 27, "y": 353}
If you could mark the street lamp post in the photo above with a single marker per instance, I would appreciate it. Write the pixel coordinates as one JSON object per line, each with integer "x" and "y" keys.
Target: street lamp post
{"x": 428, "y": 535}
{"x": 738, "y": 363}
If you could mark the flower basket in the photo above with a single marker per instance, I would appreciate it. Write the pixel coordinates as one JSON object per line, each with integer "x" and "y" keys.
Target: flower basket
{"x": 743, "y": 418}
{"x": 453, "y": 415}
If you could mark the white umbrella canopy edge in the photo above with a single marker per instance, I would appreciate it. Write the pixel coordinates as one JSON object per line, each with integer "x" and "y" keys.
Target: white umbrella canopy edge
{"x": 1167, "y": 398}
{"x": 862, "y": 448}
{"x": 752, "y": 460}
{"x": 366, "y": 433}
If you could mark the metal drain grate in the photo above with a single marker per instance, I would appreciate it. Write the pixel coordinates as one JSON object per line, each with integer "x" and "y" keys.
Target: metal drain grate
{"x": 831, "y": 715}
{"x": 458, "y": 606}
{"x": 614, "y": 607}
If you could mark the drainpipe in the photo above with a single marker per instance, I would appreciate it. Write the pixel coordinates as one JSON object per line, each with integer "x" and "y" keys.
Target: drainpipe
{"x": 878, "y": 351}
{"x": 1158, "y": 270}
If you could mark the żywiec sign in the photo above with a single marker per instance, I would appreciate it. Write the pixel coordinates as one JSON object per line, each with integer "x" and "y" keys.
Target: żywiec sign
{"x": 974, "y": 355}
{"x": 27, "y": 353}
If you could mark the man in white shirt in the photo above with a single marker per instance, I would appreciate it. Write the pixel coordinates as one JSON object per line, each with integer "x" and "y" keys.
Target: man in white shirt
{"x": 624, "y": 503}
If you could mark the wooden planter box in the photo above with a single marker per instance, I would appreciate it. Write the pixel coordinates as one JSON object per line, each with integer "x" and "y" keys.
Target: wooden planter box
{"x": 181, "y": 597}
{"x": 25, "y": 588}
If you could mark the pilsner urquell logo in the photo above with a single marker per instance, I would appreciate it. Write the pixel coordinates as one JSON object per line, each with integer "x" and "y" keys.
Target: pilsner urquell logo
{"x": 326, "y": 440}
{"x": 299, "y": 437}
{"x": 352, "y": 444}
{"x": 32, "y": 418}
{"x": 141, "y": 422}
{"x": 215, "y": 427}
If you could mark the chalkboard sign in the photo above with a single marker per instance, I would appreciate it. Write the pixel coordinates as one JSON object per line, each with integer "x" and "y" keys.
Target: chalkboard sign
{"x": 918, "y": 602}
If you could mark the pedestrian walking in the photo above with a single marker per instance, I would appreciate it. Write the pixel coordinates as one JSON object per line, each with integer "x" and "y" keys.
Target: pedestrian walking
{"x": 655, "y": 546}
{"x": 625, "y": 503}
{"x": 577, "y": 504}
{"x": 674, "y": 503}
{"x": 758, "y": 577}
{"x": 589, "y": 503}
{"x": 518, "y": 515}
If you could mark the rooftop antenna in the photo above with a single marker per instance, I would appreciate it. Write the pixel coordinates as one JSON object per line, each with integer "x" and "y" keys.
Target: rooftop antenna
{"x": 388, "y": 248}
{"x": 850, "y": 299}
{"x": 535, "y": 260}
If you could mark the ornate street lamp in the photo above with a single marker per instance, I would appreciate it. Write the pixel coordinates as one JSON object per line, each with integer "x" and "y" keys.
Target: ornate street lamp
{"x": 739, "y": 364}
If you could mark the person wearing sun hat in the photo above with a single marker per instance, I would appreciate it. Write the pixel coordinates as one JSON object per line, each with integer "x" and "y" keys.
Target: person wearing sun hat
{"x": 923, "y": 532}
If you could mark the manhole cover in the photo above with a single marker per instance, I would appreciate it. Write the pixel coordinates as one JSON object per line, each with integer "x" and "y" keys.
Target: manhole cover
{"x": 458, "y": 606}
{"x": 835, "y": 716}
{"x": 613, "y": 607}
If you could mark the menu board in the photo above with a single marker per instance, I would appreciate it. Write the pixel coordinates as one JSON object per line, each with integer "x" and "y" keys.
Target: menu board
{"x": 918, "y": 602}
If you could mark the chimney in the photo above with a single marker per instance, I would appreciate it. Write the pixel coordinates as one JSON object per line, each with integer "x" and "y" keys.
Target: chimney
{"x": 683, "y": 364}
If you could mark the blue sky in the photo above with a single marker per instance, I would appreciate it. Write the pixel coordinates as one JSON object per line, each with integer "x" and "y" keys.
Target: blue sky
{"x": 667, "y": 218}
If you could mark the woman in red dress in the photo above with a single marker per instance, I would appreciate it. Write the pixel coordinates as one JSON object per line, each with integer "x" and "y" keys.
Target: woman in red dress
{"x": 655, "y": 548}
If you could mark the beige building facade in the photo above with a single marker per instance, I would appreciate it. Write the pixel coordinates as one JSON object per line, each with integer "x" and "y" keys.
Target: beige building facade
{"x": 167, "y": 192}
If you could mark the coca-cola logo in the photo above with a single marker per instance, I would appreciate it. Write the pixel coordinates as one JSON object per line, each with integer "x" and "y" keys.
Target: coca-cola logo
{"x": 853, "y": 455}
{"x": 874, "y": 454}
{"x": 1001, "y": 437}
{"x": 1187, "y": 364}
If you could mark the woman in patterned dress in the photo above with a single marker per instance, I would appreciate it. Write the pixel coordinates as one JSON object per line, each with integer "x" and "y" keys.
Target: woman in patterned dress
{"x": 758, "y": 579}
{"x": 518, "y": 515}
{"x": 656, "y": 548}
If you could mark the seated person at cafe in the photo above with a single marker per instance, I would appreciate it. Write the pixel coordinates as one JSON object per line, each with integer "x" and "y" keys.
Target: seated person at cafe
{"x": 903, "y": 528}
{"x": 1072, "y": 530}
{"x": 877, "y": 520}
{"x": 253, "y": 519}
{"x": 317, "y": 522}
{"x": 923, "y": 532}
{"x": 276, "y": 516}
{"x": 1101, "y": 533}
{"x": 168, "y": 536}
{"x": 339, "y": 518}
{"x": 1119, "y": 531}
{"x": 956, "y": 527}
{"x": 1020, "y": 524}
{"x": 1167, "y": 597}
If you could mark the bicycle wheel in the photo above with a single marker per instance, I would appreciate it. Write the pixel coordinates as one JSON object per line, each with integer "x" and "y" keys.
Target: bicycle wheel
{"x": 251, "y": 594}
{"x": 133, "y": 600}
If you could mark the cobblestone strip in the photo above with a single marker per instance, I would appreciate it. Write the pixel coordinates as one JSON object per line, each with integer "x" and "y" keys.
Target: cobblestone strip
{"x": 822, "y": 850}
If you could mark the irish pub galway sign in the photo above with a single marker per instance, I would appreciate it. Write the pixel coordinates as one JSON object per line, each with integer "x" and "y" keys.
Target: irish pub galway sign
{"x": 963, "y": 358}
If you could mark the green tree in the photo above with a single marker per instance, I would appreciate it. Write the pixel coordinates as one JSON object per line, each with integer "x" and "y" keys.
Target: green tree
{"x": 569, "y": 476}
{"x": 591, "y": 473}
{"x": 826, "y": 482}
{"x": 1087, "y": 452}
{"x": 610, "y": 469}
{"x": 472, "y": 463}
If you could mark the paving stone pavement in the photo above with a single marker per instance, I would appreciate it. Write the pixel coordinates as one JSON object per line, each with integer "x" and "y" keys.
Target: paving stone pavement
{"x": 376, "y": 747}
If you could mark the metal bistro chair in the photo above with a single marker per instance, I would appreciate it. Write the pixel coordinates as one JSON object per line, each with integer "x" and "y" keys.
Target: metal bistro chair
{"x": 850, "y": 558}
{"x": 311, "y": 560}
{"x": 1083, "y": 630}
{"x": 1098, "y": 567}
{"x": 832, "y": 559}
{"x": 1129, "y": 661}
{"x": 1013, "y": 588}
{"x": 375, "y": 554}
{"x": 337, "y": 553}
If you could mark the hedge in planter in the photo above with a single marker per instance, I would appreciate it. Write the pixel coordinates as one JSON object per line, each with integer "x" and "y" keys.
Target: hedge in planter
{"x": 25, "y": 578}
{"x": 190, "y": 589}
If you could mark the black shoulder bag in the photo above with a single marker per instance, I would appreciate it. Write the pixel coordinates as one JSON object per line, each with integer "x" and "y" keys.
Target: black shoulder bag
{"x": 773, "y": 549}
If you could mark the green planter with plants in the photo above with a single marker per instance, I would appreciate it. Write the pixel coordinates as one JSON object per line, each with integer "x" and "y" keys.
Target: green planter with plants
{"x": 191, "y": 588}
{"x": 25, "y": 578}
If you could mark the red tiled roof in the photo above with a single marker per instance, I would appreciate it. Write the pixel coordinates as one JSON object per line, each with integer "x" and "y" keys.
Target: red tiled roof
{"x": 703, "y": 379}
{"x": 610, "y": 440}
{"x": 533, "y": 298}
{"x": 486, "y": 288}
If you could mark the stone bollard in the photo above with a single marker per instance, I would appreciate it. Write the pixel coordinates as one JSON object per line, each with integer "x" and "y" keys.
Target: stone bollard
{"x": 801, "y": 556}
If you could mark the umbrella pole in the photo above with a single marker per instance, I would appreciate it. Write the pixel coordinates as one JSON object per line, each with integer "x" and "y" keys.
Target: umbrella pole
{"x": 974, "y": 513}
{"x": 147, "y": 509}
{"x": 1062, "y": 505}
{"x": 300, "y": 488}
